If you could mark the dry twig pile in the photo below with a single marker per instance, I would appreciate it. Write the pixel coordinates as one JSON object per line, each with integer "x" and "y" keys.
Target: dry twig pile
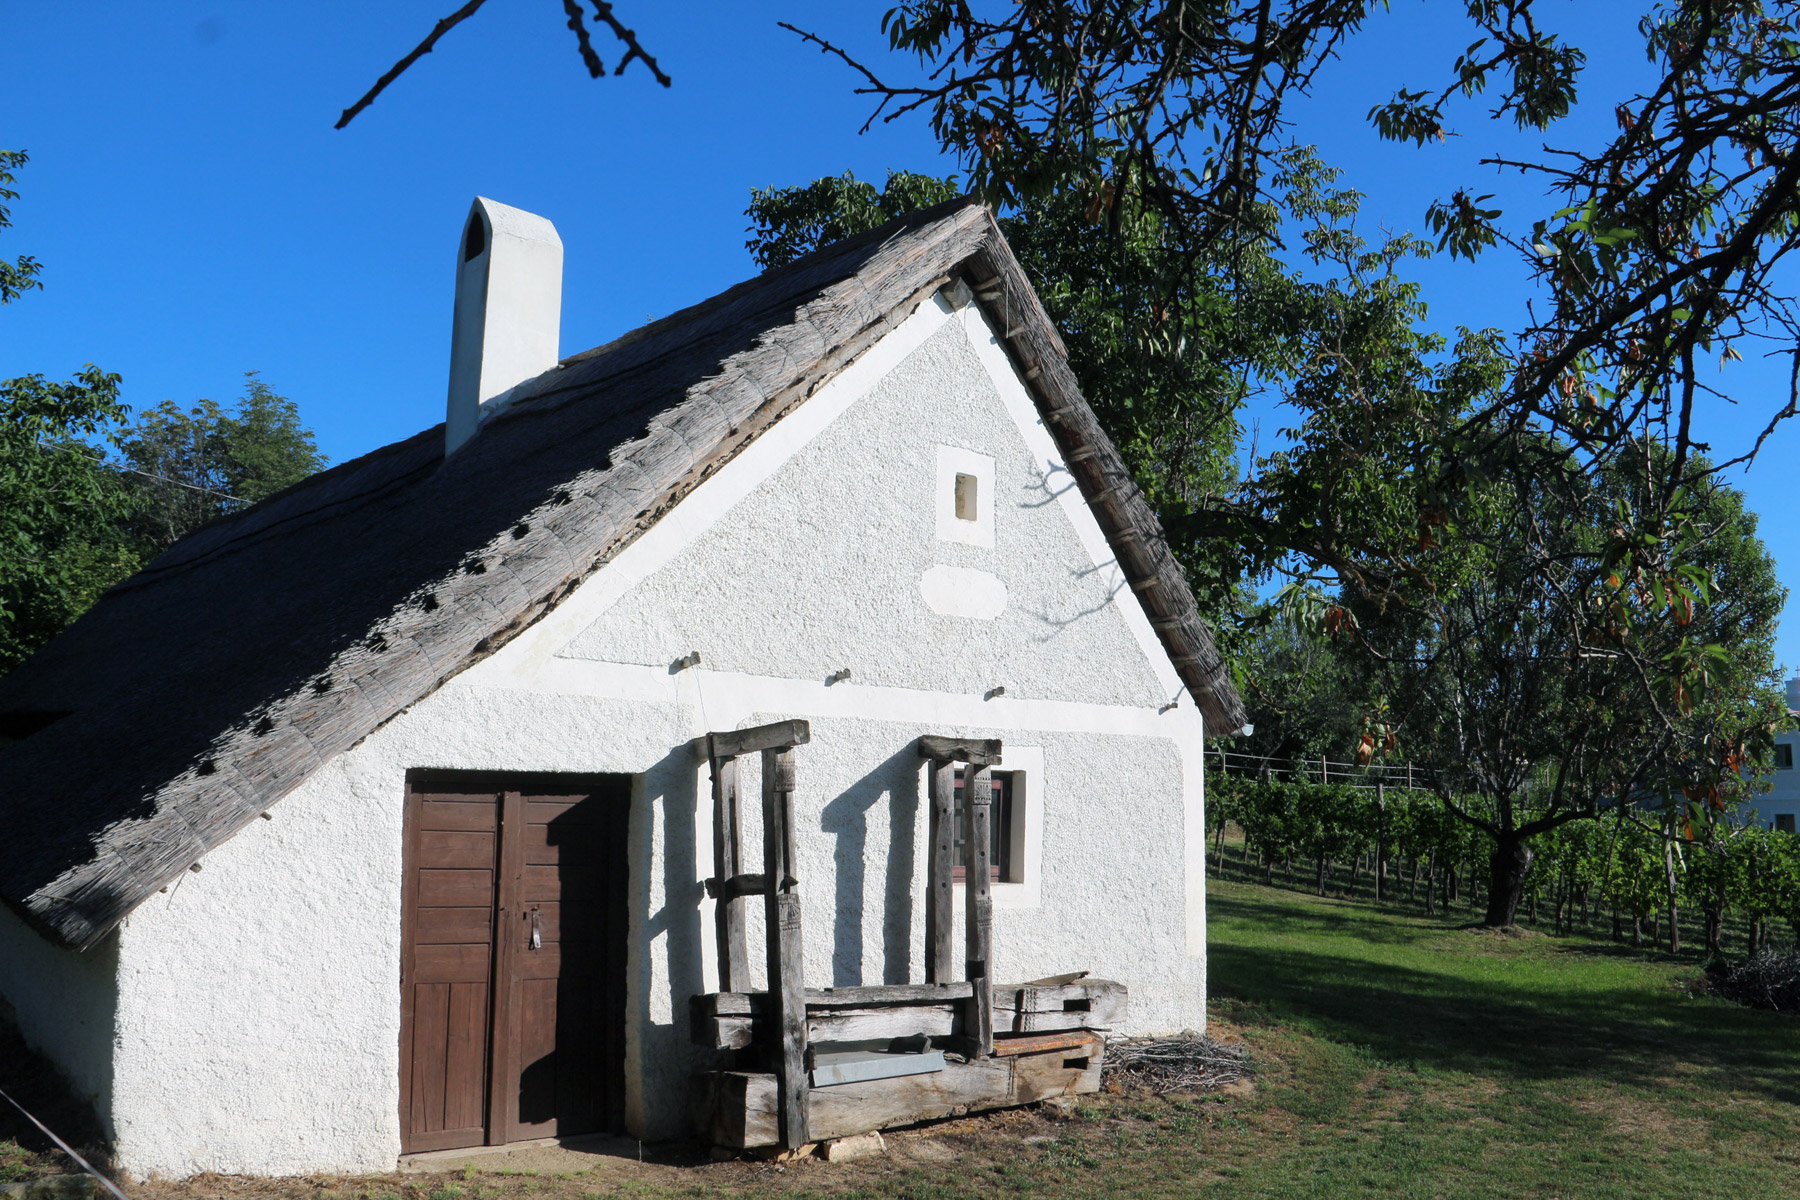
{"x": 1186, "y": 1062}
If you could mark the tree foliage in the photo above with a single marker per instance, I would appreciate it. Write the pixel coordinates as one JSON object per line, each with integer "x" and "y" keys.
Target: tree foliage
{"x": 188, "y": 468}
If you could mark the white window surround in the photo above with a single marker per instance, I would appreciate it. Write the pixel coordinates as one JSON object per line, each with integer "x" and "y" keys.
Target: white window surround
{"x": 1026, "y": 766}
{"x": 951, "y": 462}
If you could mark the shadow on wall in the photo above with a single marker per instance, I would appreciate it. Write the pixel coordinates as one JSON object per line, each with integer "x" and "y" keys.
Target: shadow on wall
{"x": 895, "y": 783}
{"x": 78, "y": 1110}
{"x": 669, "y": 786}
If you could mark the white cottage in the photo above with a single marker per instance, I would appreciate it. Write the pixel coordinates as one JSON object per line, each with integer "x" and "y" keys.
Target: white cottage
{"x": 381, "y": 817}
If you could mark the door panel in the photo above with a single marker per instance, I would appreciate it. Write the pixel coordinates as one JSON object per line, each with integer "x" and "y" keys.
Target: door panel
{"x": 447, "y": 975}
{"x": 507, "y": 1036}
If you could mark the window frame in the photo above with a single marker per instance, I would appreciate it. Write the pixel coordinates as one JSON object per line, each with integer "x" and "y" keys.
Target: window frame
{"x": 1002, "y": 848}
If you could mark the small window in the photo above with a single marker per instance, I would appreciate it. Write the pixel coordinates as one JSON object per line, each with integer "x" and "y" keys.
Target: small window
{"x": 1784, "y": 756}
{"x": 1784, "y": 822}
{"x": 1000, "y": 825}
{"x": 965, "y": 497}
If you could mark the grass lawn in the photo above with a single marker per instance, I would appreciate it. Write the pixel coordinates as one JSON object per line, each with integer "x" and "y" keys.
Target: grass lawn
{"x": 1401, "y": 1056}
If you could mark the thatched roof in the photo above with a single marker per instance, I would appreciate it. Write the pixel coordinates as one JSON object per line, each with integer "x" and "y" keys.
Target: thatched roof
{"x": 203, "y": 689}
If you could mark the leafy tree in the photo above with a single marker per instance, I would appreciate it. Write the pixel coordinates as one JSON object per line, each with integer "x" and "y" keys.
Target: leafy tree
{"x": 187, "y": 468}
{"x": 60, "y": 545}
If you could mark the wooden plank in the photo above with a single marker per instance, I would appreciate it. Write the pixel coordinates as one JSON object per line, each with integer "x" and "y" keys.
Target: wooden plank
{"x": 729, "y": 915}
{"x": 1079, "y": 1039}
{"x": 940, "y": 867}
{"x": 451, "y": 964}
{"x": 453, "y": 926}
{"x": 893, "y": 993}
{"x": 884, "y": 1023}
{"x": 455, "y": 889}
{"x": 441, "y": 849}
{"x": 981, "y": 752}
{"x": 787, "y": 983}
{"x": 432, "y": 1014}
{"x": 470, "y": 816}
{"x": 503, "y": 1076}
{"x": 465, "y": 1056}
{"x": 780, "y": 735}
{"x": 730, "y": 1020}
{"x": 978, "y": 798}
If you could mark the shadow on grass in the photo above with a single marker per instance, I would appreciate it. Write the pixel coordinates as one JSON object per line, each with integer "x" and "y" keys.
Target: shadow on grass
{"x": 1480, "y": 1012}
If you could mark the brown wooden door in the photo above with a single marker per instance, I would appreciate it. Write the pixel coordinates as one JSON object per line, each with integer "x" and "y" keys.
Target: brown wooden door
{"x": 513, "y": 984}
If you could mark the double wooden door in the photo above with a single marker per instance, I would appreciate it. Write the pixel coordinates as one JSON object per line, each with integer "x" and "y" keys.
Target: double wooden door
{"x": 513, "y": 969}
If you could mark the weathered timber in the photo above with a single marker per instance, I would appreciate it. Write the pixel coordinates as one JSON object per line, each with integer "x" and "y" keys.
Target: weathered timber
{"x": 885, "y": 1022}
{"x": 728, "y": 863}
{"x": 940, "y": 905}
{"x": 729, "y": 1021}
{"x": 1040, "y": 1043}
{"x": 982, "y": 752}
{"x": 739, "y": 1109}
{"x": 1103, "y": 479}
{"x": 736, "y": 888}
{"x": 978, "y": 797}
{"x": 787, "y": 984}
{"x": 778, "y": 735}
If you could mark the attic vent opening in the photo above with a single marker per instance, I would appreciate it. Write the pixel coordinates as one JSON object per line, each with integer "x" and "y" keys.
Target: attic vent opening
{"x": 20, "y": 724}
{"x": 474, "y": 237}
{"x": 966, "y": 491}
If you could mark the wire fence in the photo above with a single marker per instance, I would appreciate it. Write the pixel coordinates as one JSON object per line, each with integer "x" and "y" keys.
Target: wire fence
{"x": 1320, "y": 770}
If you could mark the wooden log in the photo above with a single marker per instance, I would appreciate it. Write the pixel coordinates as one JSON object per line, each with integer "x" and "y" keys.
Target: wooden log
{"x": 728, "y": 863}
{"x": 940, "y": 915}
{"x": 892, "y": 993}
{"x": 787, "y": 984}
{"x": 982, "y": 752}
{"x": 978, "y": 1022}
{"x": 738, "y": 1109}
{"x": 780, "y": 735}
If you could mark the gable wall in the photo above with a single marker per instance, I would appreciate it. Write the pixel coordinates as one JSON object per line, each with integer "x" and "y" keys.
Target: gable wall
{"x": 259, "y": 1019}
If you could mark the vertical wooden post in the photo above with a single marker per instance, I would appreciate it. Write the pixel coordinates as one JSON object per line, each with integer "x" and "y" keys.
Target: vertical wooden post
{"x": 503, "y": 1068}
{"x": 940, "y": 911}
{"x": 787, "y": 981}
{"x": 728, "y": 861}
{"x": 978, "y": 798}
{"x": 1380, "y": 838}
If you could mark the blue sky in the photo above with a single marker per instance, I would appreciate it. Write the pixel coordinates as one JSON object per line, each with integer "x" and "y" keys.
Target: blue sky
{"x": 198, "y": 217}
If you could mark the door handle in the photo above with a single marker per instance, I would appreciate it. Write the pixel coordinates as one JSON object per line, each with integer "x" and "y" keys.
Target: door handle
{"x": 537, "y": 931}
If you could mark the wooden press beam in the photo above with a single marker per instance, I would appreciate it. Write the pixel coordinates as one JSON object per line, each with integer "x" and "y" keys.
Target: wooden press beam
{"x": 940, "y": 916}
{"x": 787, "y": 983}
{"x": 980, "y": 752}
{"x": 978, "y": 798}
{"x": 781, "y": 735}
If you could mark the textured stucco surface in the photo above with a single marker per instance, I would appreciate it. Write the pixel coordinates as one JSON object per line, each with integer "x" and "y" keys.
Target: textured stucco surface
{"x": 854, "y": 517}
{"x": 259, "y": 1001}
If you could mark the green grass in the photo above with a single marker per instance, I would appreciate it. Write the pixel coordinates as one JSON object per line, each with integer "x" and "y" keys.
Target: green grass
{"x": 1399, "y": 1056}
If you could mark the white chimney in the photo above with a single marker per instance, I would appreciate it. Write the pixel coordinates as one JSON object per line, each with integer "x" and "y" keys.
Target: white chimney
{"x": 508, "y": 310}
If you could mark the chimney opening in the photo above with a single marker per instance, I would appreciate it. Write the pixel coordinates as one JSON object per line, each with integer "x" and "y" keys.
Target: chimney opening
{"x": 474, "y": 237}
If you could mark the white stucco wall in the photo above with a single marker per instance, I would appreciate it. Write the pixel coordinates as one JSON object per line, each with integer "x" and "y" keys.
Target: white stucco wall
{"x": 64, "y": 1004}
{"x": 258, "y": 1019}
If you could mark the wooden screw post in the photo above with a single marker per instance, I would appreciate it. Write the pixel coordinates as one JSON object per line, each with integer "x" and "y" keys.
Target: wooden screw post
{"x": 787, "y": 984}
{"x": 940, "y": 915}
{"x": 978, "y": 797}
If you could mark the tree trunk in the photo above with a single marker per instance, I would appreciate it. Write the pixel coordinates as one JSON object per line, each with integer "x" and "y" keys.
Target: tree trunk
{"x": 1321, "y": 874}
{"x": 1431, "y": 884}
{"x": 1715, "y": 929}
{"x": 1674, "y": 913}
{"x": 1637, "y": 930}
{"x": 1506, "y": 881}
